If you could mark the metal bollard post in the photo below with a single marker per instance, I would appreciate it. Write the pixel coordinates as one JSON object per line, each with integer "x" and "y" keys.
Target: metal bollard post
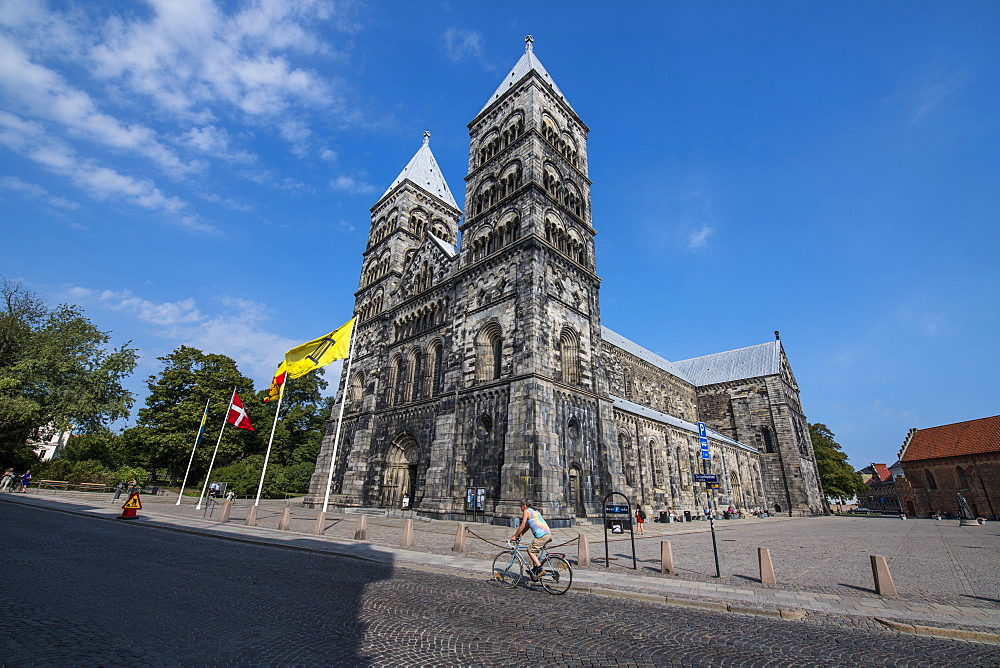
{"x": 667, "y": 558}
{"x": 361, "y": 530}
{"x": 407, "y": 540}
{"x": 460, "y": 539}
{"x": 766, "y": 568}
{"x": 884, "y": 585}
{"x": 583, "y": 551}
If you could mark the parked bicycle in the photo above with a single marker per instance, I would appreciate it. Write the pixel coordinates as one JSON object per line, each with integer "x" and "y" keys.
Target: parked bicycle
{"x": 510, "y": 565}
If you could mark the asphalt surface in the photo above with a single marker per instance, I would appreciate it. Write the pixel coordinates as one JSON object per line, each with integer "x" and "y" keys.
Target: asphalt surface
{"x": 97, "y": 591}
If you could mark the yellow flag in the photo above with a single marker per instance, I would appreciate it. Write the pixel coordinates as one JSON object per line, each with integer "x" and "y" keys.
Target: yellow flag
{"x": 317, "y": 353}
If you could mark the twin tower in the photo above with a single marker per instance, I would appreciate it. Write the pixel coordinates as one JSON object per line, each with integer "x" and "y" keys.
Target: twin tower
{"x": 484, "y": 364}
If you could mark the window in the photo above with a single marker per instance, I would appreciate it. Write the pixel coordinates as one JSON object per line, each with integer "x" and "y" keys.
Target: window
{"x": 355, "y": 391}
{"x": 768, "y": 437}
{"x": 963, "y": 479}
{"x": 931, "y": 483}
{"x": 569, "y": 353}
{"x": 434, "y": 369}
{"x": 489, "y": 349}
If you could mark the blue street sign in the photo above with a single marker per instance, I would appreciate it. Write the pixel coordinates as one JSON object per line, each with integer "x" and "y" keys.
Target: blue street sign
{"x": 706, "y": 477}
{"x": 702, "y": 432}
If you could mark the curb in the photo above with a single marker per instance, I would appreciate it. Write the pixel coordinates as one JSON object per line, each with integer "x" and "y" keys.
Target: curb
{"x": 940, "y": 632}
{"x": 735, "y": 608}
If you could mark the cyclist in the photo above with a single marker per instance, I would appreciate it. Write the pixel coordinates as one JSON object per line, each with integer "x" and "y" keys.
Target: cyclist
{"x": 531, "y": 518}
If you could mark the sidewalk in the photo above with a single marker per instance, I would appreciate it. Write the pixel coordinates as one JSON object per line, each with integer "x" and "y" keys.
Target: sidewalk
{"x": 968, "y": 614}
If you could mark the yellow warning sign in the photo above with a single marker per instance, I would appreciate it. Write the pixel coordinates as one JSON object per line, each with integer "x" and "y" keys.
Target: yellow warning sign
{"x": 133, "y": 503}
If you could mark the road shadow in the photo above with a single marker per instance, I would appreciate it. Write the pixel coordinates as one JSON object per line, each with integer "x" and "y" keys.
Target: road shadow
{"x": 866, "y": 590}
{"x": 981, "y": 598}
{"x": 193, "y": 598}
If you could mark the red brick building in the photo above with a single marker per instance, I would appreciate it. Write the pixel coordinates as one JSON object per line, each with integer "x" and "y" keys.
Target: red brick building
{"x": 940, "y": 462}
{"x": 880, "y": 481}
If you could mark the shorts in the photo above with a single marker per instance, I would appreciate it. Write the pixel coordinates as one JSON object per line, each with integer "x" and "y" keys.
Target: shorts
{"x": 538, "y": 543}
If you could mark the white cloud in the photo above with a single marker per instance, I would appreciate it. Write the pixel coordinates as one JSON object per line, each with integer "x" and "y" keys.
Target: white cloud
{"x": 236, "y": 328}
{"x": 36, "y": 191}
{"x": 216, "y": 142}
{"x": 697, "y": 239}
{"x": 352, "y": 186}
{"x": 460, "y": 44}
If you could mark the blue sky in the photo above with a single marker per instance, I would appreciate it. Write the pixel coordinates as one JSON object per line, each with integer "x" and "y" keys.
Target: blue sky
{"x": 200, "y": 173}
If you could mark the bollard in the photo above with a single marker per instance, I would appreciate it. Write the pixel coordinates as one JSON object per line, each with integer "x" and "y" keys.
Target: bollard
{"x": 251, "y": 520}
{"x": 407, "y": 540}
{"x": 361, "y": 528}
{"x": 883, "y": 580}
{"x": 766, "y": 568}
{"x": 320, "y": 528}
{"x": 286, "y": 519}
{"x": 227, "y": 506}
{"x": 667, "y": 558}
{"x": 459, "y": 539}
{"x": 583, "y": 551}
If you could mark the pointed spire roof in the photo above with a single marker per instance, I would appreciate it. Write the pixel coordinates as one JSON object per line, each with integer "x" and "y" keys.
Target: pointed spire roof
{"x": 527, "y": 63}
{"x": 423, "y": 172}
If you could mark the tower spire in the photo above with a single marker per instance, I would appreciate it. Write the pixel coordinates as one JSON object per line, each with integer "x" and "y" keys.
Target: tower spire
{"x": 527, "y": 43}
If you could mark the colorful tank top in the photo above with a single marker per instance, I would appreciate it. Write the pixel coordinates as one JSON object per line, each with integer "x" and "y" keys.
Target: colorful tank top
{"x": 537, "y": 524}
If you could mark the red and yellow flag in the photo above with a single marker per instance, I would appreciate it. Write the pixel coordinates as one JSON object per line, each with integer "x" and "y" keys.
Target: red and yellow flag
{"x": 274, "y": 391}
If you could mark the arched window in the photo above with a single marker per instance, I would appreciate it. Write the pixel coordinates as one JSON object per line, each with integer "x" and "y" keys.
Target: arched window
{"x": 410, "y": 388}
{"x": 654, "y": 471}
{"x": 395, "y": 373}
{"x": 434, "y": 369}
{"x": 963, "y": 479}
{"x": 569, "y": 353}
{"x": 769, "y": 445}
{"x": 354, "y": 392}
{"x": 931, "y": 482}
{"x": 628, "y": 458}
{"x": 489, "y": 349}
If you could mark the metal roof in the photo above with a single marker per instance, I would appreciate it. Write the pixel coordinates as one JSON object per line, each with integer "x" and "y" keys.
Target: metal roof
{"x": 645, "y": 411}
{"x": 527, "y": 63}
{"x": 423, "y": 171}
{"x": 751, "y": 362}
{"x": 448, "y": 249}
{"x": 633, "y": 348}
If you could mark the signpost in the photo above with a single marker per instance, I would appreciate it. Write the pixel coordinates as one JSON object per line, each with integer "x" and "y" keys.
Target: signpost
{"x": 711, "y": 481}
{"x": 617, "y": 518}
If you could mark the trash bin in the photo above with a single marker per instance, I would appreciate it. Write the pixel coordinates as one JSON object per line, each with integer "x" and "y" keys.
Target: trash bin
{"x": 687, "y": 515}
{"x": 664, "y": 517}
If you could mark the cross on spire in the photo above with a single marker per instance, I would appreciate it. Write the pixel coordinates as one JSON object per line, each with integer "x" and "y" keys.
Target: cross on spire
{"x": 527, "y": 43}
{"x": 427, "y": 137}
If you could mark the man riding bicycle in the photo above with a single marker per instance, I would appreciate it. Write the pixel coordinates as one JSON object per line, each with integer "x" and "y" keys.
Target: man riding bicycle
{"x": 542, "y": 535}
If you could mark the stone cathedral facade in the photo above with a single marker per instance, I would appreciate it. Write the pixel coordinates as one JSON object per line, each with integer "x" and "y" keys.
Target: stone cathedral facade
{"x": 486, "y": 363}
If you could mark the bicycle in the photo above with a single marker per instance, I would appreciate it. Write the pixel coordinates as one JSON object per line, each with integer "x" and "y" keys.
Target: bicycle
{"x": 509, "y": 567}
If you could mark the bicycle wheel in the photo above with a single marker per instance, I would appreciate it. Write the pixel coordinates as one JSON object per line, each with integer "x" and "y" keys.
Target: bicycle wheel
{"x": 557, "y": 576}
{"x": 507, "y": 569}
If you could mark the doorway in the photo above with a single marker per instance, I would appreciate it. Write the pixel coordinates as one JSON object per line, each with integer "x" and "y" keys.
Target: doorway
{"x": 400, "y": 472}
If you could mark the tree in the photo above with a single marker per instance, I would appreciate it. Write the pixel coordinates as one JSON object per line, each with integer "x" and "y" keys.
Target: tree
{"x": 55, "y": 372}
{"x": 166, "y": 427}
{"x": 838, "y": 477}
{"x": 302, "y": 421}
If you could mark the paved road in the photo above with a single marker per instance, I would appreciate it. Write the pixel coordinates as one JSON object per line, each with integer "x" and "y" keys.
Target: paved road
{"x": 106, "y": 592}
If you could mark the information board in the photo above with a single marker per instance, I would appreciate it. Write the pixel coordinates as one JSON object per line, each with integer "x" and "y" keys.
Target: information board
{"x": 706, "y": 477}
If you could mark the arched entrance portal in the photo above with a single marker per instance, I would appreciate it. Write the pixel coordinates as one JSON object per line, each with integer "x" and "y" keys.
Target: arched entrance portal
{"x": 400, "y": 472}
{"x": 575, "y": 493}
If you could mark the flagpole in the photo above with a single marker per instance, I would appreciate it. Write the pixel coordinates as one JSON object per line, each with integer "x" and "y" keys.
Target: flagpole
{"x": 340, "y": 420}
{"x": 216, "y": 451}
{"x": 267, "y": 455}
{"x": 197, "y": 439}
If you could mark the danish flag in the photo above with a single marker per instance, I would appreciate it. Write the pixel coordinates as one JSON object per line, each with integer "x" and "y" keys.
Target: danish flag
{"x": 238, "y": 415}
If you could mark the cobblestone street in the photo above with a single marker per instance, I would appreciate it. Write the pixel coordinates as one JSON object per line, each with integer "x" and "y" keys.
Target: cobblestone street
{"x": 102, "y": 592}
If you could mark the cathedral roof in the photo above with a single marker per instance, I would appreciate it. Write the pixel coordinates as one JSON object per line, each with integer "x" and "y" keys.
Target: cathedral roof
{"x": 526, "y": 64}
{"x": 448, "y": 249}
{"x": 423, "y": 172}
{"x": 751, "y": 362}
{"x": 645, "y": 411}
{"x": 972, "y": 437}
{"x": 619, "y": 341}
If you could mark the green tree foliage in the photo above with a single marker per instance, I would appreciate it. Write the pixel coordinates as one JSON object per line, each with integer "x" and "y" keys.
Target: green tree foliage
{"x": 167, "y": 425}
{"x": 55, "y": 372}
{"x": 88, "y": 471}
{"x": 838, "y": 477}
{"x": 103, "y": 446}
{"x": 302, "y": 420}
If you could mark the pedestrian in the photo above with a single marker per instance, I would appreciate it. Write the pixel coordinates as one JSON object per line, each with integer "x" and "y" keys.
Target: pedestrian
{"x": 25, "y": 480}
{"x": 230, "y": 495}
{"x": 7, "y": 480}
{"x": 640, "y": 519}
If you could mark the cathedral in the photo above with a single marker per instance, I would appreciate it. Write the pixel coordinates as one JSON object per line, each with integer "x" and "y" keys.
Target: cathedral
{"x": 484, "y": 363}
